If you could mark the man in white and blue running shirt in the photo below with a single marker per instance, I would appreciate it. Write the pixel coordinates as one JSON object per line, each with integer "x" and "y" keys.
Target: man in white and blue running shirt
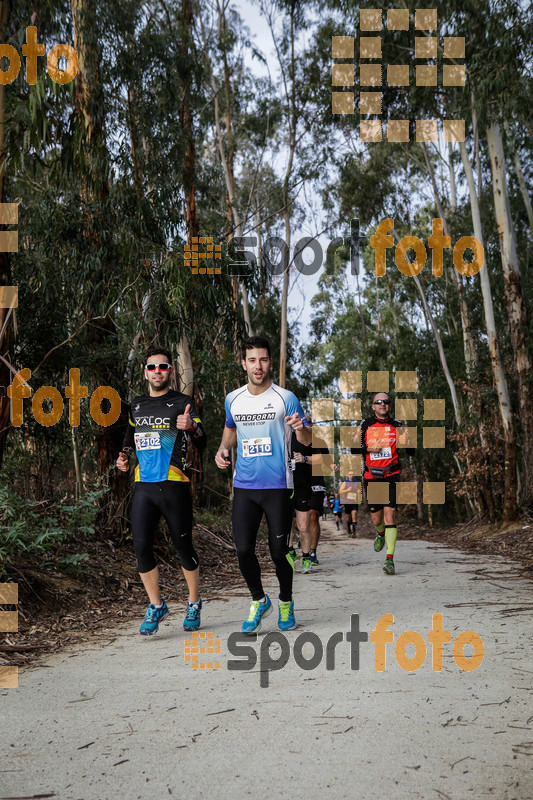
{"x": 260, "y": 418}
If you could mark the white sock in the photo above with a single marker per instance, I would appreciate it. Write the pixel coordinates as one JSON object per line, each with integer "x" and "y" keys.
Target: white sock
{"x": 263, "y": 600}
{"x": 160, "y": 605}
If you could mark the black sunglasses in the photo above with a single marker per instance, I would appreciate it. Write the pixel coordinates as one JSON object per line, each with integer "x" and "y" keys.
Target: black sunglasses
{"x": 382, "y": 402}
{"x": 163, "y": 367}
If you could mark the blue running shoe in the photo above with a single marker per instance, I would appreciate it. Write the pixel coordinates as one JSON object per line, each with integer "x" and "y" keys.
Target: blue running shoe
{"x": 257, "y": 612}
{"x": 152, "y": 618}
{"x": 286, "y": 621}
{"x": 314, "y": 560}
{"x": 192, "y": 617}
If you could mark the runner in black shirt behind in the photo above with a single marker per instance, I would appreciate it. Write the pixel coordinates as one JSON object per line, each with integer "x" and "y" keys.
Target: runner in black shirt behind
{"x": 309, "y": 494}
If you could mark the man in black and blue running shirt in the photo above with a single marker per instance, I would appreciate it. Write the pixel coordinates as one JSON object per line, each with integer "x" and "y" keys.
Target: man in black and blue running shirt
{"x": 159, "y": 427}
{"x": 260, "y": 418}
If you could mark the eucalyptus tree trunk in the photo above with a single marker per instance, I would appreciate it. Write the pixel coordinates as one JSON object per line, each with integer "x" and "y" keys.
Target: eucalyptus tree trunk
{"x": 449, "y": 380}
{"x": 94, "y": 189}
{"x": 516, "y": 307}
{"x": 185, "y": 367}
{"x": 468, "y": 342}
{"x": 227, "y": 152}
{"x": 292, "y": 121}
{"x": 5, "y": 260}
{"x": 442, "y": 355}
{"x": 520, "y": 175}
{"x": 186, "y": 383}
{"x": 451, "y": 169}
{"x": 500, "y": 381}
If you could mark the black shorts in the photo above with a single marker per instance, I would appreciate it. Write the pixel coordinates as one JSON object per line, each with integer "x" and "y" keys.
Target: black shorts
{"x": 349, "y": 507}
{"x": 316, "y": 498}
{"x": 392, "y": 480}
{"x": 301, "y": 498}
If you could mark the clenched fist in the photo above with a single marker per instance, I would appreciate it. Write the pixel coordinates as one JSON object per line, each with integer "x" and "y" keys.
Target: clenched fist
{"x": 122, "y": 463}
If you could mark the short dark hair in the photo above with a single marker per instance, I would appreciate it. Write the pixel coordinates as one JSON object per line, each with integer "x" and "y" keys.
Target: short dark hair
{"x": 158, "y": 351}
{"x": 253, "y": 342}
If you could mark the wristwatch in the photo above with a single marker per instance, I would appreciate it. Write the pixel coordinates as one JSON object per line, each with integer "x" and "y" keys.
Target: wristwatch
{"x": 306, "y": 459}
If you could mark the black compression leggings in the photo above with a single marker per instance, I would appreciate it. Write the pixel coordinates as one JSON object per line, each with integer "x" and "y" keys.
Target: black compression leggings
{"x": 172, "y": 500}
{"x": 248, "y": 508}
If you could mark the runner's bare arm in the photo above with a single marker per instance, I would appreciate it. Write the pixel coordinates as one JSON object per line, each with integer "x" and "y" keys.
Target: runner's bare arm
{"x": 229, "y": 440}
{"x": 303, "y": 432}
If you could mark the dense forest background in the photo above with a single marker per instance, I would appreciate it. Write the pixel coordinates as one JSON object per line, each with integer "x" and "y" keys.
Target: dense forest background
{"x": 168, "y": 133}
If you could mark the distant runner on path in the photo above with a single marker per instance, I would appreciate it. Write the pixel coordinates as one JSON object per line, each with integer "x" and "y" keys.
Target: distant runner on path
{"x": 349, "y": 492}
{"x": 380, "y": 437}
{"x": 337, "y": 510}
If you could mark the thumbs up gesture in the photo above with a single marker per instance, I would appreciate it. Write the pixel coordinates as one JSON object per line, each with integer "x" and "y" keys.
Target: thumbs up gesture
{"x": 184, "y": 421}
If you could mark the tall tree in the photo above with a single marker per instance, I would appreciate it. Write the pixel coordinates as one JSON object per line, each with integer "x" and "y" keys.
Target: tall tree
{"x": 5, "y": 259}
{"x": 516, "y": 306}
{"x": 498, "y": 374}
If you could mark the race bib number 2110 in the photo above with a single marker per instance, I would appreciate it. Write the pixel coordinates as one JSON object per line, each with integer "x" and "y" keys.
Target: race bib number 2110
{"x": 257, "y": 447}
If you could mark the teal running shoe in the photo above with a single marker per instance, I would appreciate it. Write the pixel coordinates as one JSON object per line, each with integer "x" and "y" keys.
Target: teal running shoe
{"x": 388, "y": 567}
{"x": 379, "y": 542}
{"x": 192, "y": 617}
{"x": 286, "y": 621}
{"x": 152, "y": 618}
{"x": 257, "y": 612}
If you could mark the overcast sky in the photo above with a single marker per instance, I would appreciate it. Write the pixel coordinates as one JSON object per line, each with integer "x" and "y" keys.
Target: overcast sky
{"x": 303, "y": 287}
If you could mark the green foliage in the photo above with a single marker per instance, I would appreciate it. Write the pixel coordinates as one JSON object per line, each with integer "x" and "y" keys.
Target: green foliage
{"x": 39, "y": 531}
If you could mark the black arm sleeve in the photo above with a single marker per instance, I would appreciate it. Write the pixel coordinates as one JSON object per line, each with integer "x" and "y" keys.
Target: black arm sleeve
{"x": 129, "y": 438}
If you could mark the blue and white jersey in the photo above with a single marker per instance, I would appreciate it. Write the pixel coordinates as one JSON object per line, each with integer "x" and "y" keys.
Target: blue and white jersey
{"x": 263, "y": 437}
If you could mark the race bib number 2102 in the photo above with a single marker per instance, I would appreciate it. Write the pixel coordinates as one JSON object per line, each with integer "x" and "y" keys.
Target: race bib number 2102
{"x": 147, "y": 441}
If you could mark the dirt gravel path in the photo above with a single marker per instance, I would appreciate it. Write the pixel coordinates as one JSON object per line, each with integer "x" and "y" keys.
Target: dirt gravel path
{"x": 128, "y": 716}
